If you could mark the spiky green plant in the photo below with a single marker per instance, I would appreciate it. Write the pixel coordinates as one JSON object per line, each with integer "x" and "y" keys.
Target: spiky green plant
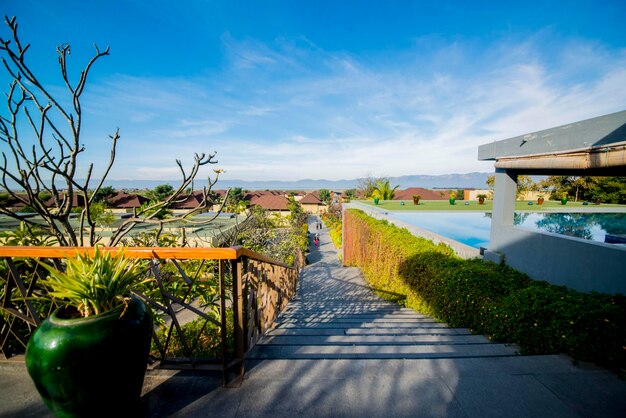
{"x": 383, "y": 190}
{"x": 95, "y": 284}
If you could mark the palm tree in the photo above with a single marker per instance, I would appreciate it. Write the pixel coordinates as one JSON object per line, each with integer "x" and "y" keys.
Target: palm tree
{"x": 383, "y": 190}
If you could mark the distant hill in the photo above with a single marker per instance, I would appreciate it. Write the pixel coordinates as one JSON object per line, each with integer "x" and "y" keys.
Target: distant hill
{"x": 446, "y": 181}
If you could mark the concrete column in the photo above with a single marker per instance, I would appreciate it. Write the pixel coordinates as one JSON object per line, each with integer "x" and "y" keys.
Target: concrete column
{"x": 504, "y": 193}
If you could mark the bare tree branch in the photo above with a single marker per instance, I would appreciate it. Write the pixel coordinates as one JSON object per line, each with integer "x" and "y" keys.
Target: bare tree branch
{"x": 51, "y": 162}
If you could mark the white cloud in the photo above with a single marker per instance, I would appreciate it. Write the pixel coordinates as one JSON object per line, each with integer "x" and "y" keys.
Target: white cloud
{"x": 291, "y": 110}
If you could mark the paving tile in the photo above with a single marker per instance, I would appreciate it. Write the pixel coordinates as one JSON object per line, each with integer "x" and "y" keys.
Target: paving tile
{"x": 589, "y": 394}
{"x": 507, "y": 396}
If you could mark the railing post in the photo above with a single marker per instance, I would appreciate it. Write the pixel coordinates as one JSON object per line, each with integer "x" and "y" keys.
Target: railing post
{"x": 237, "y": 269}
{"x": 224, "y": 322}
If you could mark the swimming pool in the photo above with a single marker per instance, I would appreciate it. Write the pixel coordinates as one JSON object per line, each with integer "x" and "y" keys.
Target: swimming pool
{"x": 473, "y": 228}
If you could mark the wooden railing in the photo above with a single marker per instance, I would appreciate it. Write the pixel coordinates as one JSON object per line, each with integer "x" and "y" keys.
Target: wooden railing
{"x": 242, "y": 294}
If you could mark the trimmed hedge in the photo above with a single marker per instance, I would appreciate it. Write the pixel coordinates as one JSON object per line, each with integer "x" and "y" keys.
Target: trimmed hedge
{"x": 488, "y": 298}
{"x": 334, "y": 228}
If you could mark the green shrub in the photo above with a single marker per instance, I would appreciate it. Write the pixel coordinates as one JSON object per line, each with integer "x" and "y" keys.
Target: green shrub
{"x": 333, "y": 223}
{"x": 202, "y": 336}
{"x": 491, "y": 299}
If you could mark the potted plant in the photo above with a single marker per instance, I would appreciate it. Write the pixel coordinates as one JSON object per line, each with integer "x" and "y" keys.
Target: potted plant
{"x": 416, "y": 199}
{"x": 89, "y": 357}
{"x": 564, "y": 198}
{"x": 540, "y": 199}
{"x": 481, "y": 198}
{"x": 452, "y": 198}
{"x": 376, "y": 196}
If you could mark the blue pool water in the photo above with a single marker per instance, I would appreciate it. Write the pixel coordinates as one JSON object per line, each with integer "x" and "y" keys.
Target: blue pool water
{"x": 473, "y": 228}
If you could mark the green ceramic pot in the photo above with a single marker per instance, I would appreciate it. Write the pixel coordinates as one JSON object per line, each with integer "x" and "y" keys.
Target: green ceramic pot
{"x": 91, "y": 366}
{"x": 376, "y": 200}
{"x": 452, "y": 200}
{"x": 564, "y": 200}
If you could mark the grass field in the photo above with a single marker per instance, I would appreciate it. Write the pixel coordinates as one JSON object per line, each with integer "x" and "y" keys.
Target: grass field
{"x": 472, "y": 205}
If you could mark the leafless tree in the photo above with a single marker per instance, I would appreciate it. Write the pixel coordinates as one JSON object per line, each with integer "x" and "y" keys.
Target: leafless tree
{"x": 41, "y": 134}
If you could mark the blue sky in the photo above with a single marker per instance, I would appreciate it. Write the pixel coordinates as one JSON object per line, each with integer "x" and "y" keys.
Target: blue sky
{"x": 327, "y": 89}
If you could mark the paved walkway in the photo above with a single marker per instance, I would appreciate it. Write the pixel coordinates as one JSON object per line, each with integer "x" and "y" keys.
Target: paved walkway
{"x": 340, "y": 351}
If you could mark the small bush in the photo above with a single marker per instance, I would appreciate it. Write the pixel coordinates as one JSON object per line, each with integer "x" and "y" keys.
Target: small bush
{"x": 333, "y": 223}
{"x": 491, "y": 299}
{"x": 203, "y": 339}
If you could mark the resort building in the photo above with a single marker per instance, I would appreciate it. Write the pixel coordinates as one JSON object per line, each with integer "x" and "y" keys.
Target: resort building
{"x": 122, "y": 202}
{"x": 311, "y": 203}
{"x": 190, "y": 202}
{"x": 274, "y": 203}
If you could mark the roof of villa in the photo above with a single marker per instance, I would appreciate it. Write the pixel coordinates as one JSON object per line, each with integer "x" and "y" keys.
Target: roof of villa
{"x": 252, "y": 196}
{"x": 12, "y": 202}
{"x": 123, "y": 200}
{"x": 425, "y": 194}
{"x": 593, "y": 145}
{"x": 191, "y": 201}
{"x": 311, "y": 199}
{"x": 270, "y": 202}
{"x": 220, "y": 192}
{"x": 77, "y": 200}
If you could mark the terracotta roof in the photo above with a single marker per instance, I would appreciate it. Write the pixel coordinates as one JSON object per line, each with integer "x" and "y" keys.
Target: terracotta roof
{"x": 250, "y": 196}
{"x": 311, "y": 199}
{"x": 191, "y": 201}
{"x": 123, "y": 200}
{"x": 77, "y": 200}
{"x": 14, "y": 203}
{"x": 425, "y": 194}
{"x": 219, "y": 193}
{"x": 270, "y": 202}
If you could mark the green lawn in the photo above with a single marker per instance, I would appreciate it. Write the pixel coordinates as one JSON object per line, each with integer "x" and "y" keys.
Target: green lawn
{"x": 437, "y": 205}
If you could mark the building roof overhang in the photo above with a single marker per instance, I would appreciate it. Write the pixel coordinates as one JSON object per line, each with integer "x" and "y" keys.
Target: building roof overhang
{"x": 594, "y": 146}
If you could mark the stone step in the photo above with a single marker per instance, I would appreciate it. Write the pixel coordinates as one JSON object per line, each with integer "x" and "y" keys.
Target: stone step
{"x": 348, "y": 309}
{"x": 369, "y": 331}
{"x": 338, "y": 324}
{"x": 417, "y": 339}
{"x": 340, "y": 304}
{"x": 359, "y": 315}
{"x": 342, "y": 320}
{"x": 380, "y": 351}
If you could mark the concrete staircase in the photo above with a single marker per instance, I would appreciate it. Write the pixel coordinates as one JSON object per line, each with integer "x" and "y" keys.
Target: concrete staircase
{"x": 337, "y": 316}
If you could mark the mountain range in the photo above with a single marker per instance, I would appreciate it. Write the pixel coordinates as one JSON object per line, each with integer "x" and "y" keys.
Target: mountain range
{"x": 445, "y": 181}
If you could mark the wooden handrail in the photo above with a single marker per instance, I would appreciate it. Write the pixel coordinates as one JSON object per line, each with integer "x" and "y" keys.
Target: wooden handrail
{"x": 178, "y": 253}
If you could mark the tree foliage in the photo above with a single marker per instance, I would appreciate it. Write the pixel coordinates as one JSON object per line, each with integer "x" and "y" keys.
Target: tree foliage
{"x": 161, "y": 192}
{"x": 350, "y": 194}
{"x": 383, "y": 190}
{"x": 589, "y": 188}
{"x": 297, "y": 216}
{"x": 236, "y": 202}
{"x": 524, "y": 184}
{"x": 266, "y": 235}
{"x": 103, "y": 193}
{"x": 367, "y": 185}
{"x": 325, "y": 196}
